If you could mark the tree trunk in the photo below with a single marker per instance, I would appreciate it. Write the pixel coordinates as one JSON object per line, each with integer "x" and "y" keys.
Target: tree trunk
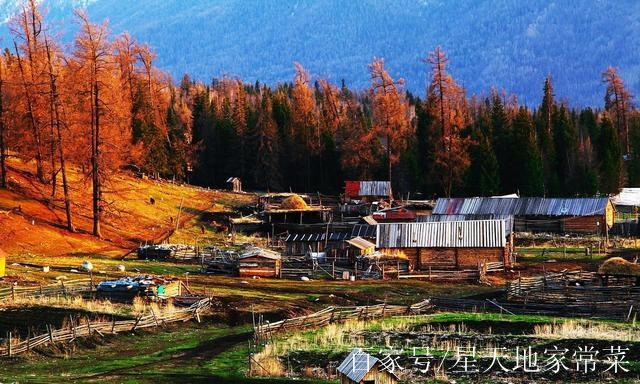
{"x": 32, "y": 119}
{"x": 56, "y": 112}
{"x": 52, "y": 148}
{"x": 95, "y": 156}
{"x": 3, "y": 145}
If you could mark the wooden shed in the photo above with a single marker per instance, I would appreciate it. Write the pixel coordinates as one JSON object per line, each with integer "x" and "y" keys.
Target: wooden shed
{"x": 364, "y": 247}
{"x": 627, "y": 200}
{"x": 449, "y": 245}
{"x": 360, "y": 367}
{"x": 297, "y": 244}
{"x": 235, "y": 185}
{"x": 259, "y": 262}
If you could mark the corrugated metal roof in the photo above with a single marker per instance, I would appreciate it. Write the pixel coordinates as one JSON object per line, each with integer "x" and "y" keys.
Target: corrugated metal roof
{"x": 375, "y": 188}
{"x": 364, "y": 230}
{"x": 524, "y": 206}
{"x": 490, "y": 216}
{"x": 315, "y": 237}
{"x": 361, "y": 243}
{"x": 260, "y": 252}
{"x": 357, "y": 364}
{"x": 448, "y": 234}
{"x": 627, "y": 197}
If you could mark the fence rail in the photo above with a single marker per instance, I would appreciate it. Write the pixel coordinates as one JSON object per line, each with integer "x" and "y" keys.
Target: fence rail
{"x": 522, "y": 286}
{"x": 444, "y": 275}
{"x": 338, "y": 314}
{"x": 61, "y": 288}
{"x": 11, "y": 347}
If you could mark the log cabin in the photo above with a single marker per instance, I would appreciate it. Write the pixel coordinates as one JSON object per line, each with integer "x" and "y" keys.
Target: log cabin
{"x": 450, "y": 245}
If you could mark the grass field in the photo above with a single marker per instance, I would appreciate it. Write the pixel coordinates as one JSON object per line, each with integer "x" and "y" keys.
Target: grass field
{"x": 217, "y": 351}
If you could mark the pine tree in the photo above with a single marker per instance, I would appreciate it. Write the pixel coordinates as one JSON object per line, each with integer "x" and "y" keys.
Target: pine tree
{"x": 565, "y": 138}
{"x": 483, "y": 175}
{"x": 503, "y": 144}
{"x": 265, "y": 144}
{"x": 529, "y": 179}
{"x": 545, "y": 138}
{"x": 609, "y": 157}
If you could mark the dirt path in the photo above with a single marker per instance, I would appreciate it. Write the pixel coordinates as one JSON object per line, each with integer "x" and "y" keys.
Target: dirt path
{"x": 196, "y": 356}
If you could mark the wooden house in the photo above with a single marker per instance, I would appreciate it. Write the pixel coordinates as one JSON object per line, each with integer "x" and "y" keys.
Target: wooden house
{"x": 447, "y": 245}
{"x": 334, "y": 243}
{"x": 259, "y": 262}
{"x": 360, "y": 367}
{"x": 235, "y": 185}
{"x": 538, "y": 214}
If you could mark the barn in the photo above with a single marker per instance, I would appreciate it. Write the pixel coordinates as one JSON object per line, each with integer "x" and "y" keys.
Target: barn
{"x": 259, "y": 262}
{"x": 360, "y": 367}
{"x": 447, "y": 245}
{"x": 538, "y": 214}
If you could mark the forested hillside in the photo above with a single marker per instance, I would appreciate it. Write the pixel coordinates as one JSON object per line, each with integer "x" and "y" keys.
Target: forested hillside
{"x": 102, "y": 105}
{"x": 511, "y": 44}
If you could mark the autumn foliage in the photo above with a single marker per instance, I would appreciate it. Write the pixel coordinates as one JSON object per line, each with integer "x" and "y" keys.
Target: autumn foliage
{"x": 101, "y": 106}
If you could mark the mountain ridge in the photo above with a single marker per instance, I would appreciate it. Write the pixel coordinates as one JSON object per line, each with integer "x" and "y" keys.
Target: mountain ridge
{"x": 504, "y": 44}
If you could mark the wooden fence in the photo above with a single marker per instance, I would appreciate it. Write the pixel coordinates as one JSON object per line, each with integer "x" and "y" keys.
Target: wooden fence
{"x": 584, "y": 309}
{"x": 521, "y": 286}
{"x": 60, "y": 288}
{"x": 13, "y": 347}
{"x": 445, "y": 275}
{"x": 263, "y": 330}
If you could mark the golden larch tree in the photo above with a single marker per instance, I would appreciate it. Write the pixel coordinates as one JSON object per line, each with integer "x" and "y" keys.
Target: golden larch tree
{"x": 390, "y": 124}
{"x": 448, "y": 102}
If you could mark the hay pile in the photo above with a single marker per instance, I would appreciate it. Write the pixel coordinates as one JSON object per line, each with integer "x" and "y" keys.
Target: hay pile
{"x": 294, "y": 202}
{"x": 619, "y": 266}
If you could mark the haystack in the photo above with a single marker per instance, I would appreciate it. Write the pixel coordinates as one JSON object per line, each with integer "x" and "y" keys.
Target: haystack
{"x": 294, "y": 202}
{"x": 619, "y": 266}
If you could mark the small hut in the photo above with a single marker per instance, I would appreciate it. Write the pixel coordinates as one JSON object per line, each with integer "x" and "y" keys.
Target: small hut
{"x": 361, "y": 368}
{"x": 235, "y": 185}
{"x": 363, "y": 246}
{"x": 260, "y": 262}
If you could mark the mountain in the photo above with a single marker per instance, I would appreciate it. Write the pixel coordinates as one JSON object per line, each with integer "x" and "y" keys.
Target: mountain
{"x": 506, "y": 44}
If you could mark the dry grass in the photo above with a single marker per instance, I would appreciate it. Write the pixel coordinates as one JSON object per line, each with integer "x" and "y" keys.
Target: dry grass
{"x": 572, "y": 329}
{"x": 619, "y": 266}
{"x": 294, "y": 202}
{"x": 266, "y": 362}
{"x": 139, "y": 306}
{"x": 34, "y": 221}
{"x": 69, "y": 302}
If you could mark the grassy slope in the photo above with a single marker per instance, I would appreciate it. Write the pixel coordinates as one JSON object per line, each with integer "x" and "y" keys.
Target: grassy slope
{"x": 35, "y": 223}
